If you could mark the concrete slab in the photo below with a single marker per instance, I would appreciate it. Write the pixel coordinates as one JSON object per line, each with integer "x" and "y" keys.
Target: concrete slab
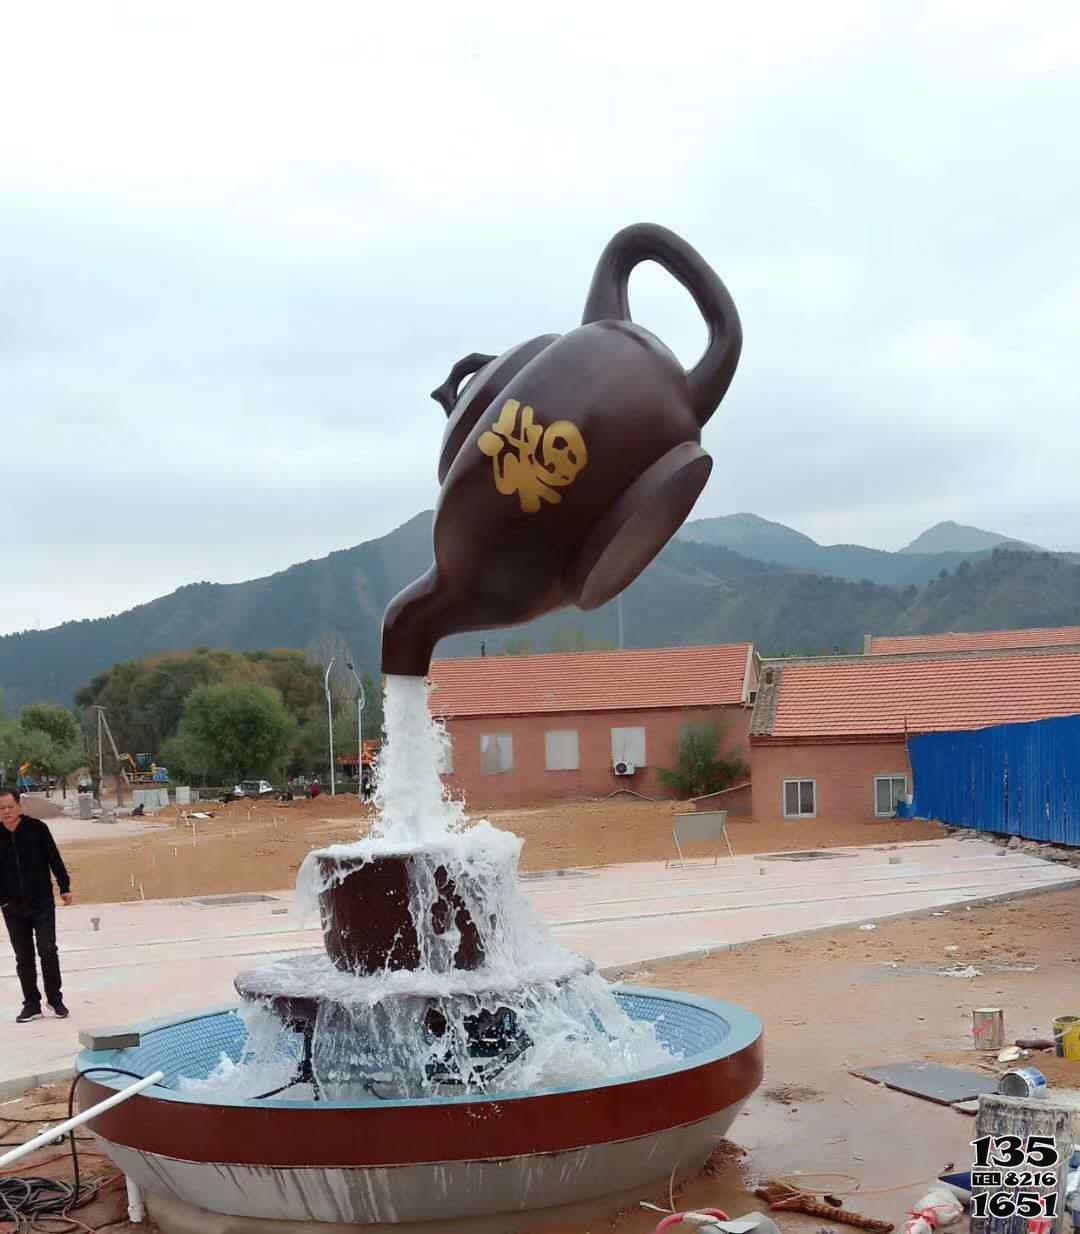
{"x": 945, "y": 1085}
{"x": 160, "y": 958}
{"x": 66, "y": 830}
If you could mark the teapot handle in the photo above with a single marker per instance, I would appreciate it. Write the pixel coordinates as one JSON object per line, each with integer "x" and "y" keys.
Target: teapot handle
{"x": 446, "y": 395}
{"x": 608, "y": 300}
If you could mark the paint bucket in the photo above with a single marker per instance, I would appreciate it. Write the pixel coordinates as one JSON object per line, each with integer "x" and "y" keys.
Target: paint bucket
{"x": 1022, "y": 1082}
{"x": 988, "y": 1028}
{"x": 1067, "y": 1037}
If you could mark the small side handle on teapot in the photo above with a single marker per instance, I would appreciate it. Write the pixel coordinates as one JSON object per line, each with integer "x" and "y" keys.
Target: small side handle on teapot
{"x": 608, "y": 299}
{"x": 446, "y": 395}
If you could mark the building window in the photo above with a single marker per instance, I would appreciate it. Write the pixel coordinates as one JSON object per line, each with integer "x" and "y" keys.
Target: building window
{"x": 889, "y": 791}
{"x": 800, "y": 798}
{"x": 496, "y": 753}
{"x": 561, "y": 749}
{"x": 628, "y": 746}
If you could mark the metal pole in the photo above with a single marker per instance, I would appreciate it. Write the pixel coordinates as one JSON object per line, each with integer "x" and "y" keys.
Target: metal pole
{"x": 52, "y": 1133}
{"x": 330, "y": 721}
{"x": 359, "y": 730}
{"x": 620, "y": 622}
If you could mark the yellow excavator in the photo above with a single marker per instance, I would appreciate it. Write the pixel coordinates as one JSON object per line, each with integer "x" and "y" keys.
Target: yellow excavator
{"x": 28, "y": 780}
{"x": 141, "y": 769}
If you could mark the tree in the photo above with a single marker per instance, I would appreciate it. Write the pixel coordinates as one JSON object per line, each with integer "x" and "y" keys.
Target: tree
{"x": 144, "y": 699}
{"x": 374, "y": 719}
{"x": 295, "y": 677}
{"x": 573, "y": 638}
{"x": 157, "y": 697}
{"x": 310, "y": 752}
{"x": 64, "y": 761}
{"x": 700, "y": 766}
{"x": 63, "y": 751}
{"x": 521, "y": 646}
{"x": 187, "y": 761}
{"x": 19, "y": 746}
{"x": 236, "y": 730}
{"x": 311, "y": 749}
{"x": 55, "y": 721}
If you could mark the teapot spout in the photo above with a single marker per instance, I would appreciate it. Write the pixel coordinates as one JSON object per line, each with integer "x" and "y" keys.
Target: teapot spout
{"x": 412, "y": 625}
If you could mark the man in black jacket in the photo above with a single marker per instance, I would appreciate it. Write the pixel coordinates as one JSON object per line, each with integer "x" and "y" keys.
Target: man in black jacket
{"x": 28, "y": 859}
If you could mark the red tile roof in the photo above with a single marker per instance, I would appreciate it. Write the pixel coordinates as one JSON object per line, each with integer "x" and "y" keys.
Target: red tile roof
{"x": 985, "y": 640}
{"x": 884, "y": 695}
{"x": 591, "y": 681}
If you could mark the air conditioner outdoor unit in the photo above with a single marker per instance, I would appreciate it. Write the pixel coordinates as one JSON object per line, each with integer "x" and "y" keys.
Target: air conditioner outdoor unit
{"x": 624, "y": 769}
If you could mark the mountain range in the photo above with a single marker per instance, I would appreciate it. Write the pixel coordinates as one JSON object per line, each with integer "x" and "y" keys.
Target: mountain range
{"x": 727, "y": 579}
{"x": 941, "y": 547}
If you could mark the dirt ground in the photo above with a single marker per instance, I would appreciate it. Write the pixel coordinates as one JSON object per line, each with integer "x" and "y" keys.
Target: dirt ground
{"x": 23, "y": 1118}
{"x": 259, "y": 846}
{"x": 831, "y": 1003}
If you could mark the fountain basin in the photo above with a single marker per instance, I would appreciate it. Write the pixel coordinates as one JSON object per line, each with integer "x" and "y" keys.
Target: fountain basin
{"x": 416, "y": 1160}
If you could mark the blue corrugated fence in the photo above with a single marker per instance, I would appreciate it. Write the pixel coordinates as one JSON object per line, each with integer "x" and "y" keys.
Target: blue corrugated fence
{"x": 1020, "y": 779}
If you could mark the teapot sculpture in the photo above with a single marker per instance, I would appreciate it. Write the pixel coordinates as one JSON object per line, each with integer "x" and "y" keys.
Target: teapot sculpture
{"x": 569, "y": 461}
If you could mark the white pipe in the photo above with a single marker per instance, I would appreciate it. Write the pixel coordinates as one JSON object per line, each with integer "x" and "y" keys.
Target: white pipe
{"x": 136, "y": 1207}
{"x": 51, "y": 1133}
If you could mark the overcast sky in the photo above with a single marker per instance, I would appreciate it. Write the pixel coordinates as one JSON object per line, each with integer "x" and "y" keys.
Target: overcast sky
{"x": 240, "y": 243}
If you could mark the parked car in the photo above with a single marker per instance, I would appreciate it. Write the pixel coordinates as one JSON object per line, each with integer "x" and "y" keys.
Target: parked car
{"x": 253, "y": 788}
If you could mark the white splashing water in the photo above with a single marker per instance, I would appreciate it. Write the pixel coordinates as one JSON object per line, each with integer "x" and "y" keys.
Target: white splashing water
{"x": 373, "y": 1035}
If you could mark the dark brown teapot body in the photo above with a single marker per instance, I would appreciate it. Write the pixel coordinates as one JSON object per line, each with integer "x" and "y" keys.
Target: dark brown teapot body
{"x": 569, "y": 461}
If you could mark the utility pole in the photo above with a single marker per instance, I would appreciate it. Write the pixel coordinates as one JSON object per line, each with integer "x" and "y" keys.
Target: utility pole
{"x": 359, "y": 730}
{"x": 619, "y": 602}
{"x": 100, "y": 753}
{"x": 330, "y": 721}
{"x": 121, "y": 772}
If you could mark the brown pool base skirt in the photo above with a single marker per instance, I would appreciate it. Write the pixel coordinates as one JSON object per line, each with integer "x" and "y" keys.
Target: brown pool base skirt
{"x": 487, "y": 1195}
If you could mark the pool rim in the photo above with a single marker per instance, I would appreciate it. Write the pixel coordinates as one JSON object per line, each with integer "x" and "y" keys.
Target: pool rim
{"x": 745, "y": 1029}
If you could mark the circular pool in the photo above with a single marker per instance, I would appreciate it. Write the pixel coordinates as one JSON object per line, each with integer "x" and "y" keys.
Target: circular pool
{"x": 376, "y": 1161}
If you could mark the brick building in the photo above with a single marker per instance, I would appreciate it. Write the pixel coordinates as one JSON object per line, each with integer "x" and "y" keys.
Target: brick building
{"x": 829, "y": 735}
{"x": 541, "y": 728}
{"x": 974, "y": 640}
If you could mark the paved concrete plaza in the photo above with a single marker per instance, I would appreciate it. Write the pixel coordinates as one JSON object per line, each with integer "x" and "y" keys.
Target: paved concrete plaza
{"x": 157, "y": 958}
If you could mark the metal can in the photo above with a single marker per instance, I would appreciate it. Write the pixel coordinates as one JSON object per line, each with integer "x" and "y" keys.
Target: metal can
{"x": 1022, "y": 1082}
{"x": 988, "y": 1028}
{"x": 1067, "y": 1037}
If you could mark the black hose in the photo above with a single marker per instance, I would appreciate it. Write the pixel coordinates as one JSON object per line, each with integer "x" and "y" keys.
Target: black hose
{"x": 24, "y": 1201}
{"x": 71, "y": 1109}
{"x": 274, "y": 1091}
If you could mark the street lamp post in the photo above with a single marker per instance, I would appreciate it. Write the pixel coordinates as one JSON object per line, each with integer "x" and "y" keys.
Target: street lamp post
{"x": 330, "y": 720}
{"x": 359, "y": 730}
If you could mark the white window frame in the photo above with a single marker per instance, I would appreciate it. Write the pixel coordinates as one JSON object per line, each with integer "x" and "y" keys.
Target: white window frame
{"x": 800, "y": 780}
{"x": 623, "y": 746}
{"x": 903, "y": 795}
{"x": 551, "y": 761}
{"x": 500, "y": 771}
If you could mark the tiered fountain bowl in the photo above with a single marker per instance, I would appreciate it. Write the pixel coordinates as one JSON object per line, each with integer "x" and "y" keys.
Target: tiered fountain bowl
{"x": 434, "y": 1161}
